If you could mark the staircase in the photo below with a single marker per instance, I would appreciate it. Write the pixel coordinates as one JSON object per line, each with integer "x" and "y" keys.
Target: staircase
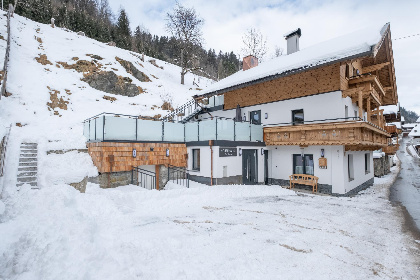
{"x": 184, "y": 112}
{"x": 28, "y": 170}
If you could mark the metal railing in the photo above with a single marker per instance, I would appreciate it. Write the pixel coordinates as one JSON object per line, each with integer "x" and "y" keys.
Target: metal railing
{"x": 4, "y": 141}
{"x": 183, "y": 111}
{"x": 143, "y": 178}
{"x": 179, "y": 175}
{"x": 118, "y": 127}
{"x": 6, "y": 57}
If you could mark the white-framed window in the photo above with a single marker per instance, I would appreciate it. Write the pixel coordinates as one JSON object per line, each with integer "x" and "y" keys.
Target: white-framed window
{"x": 196, "y": 159}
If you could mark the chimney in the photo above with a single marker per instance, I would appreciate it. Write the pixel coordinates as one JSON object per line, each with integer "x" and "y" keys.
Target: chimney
{"x": 292, "y": 38}
{"x": 249, "y": 62}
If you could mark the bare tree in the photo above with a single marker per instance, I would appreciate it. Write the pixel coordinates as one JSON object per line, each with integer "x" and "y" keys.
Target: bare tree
{"x": 254, "y": 44}
{"x": 278, "y": 51}
{"x": 185, "y": 25}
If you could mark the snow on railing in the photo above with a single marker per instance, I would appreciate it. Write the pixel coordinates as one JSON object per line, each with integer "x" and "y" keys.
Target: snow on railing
{"x": 6, "y": 57}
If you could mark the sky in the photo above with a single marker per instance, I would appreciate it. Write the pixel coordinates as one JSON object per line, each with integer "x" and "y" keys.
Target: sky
{"x": 227, "y": 21}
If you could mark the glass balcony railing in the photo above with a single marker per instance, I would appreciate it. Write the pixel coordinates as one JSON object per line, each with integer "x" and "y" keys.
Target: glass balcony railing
{"x": 114, "y": 127}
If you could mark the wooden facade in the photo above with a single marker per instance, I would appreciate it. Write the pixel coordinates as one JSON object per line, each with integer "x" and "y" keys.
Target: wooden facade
{"x": 116, "y": 157}
{"x": 319, "y": 80}
{"x": 354, "y": 135}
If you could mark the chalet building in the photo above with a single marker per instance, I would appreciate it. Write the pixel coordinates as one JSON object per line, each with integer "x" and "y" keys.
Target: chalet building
{"x": 314, "y": 111}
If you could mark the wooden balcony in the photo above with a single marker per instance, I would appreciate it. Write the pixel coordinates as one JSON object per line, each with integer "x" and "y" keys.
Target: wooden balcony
{"x": 391, "y": 149}
{"x": 355, "y": 135}
{"x": 391, "y": 129}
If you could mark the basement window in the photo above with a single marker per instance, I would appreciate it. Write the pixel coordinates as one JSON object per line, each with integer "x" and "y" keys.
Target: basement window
{"x": 367, "y": 163}
{"x": 350, "y": 168}
{"x": 196, "y": 159}
{"x": 297, "y": 117}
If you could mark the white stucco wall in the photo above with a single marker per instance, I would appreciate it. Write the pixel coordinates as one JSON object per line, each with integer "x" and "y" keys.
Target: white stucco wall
{"x": 315, "y": 107}
{"x": 280, "y": 162}
{"x": 233, "y": 163}
{"x": 359, "y": 169}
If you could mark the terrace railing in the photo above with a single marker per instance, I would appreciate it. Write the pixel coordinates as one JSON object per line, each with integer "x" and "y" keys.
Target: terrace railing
{"x": 143, "y": 178}
{"x": 116, "y": 127}
{"x": 179, "y": 175}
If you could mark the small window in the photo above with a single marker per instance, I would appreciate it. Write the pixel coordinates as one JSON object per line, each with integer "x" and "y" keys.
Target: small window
{"x": 350, "y": 168}
{"x": 255, "y": 117}
{"x": 196, "y": 159}
{"x": 347, "y": 71}
{"x": 367, "y": 163}
{"x": 303, "y": 164}
{"x": 297, "y": 116}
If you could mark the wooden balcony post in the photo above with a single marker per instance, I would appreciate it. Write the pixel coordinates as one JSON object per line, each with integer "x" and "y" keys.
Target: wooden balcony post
{"x": 361, "y": 105}
{"x": 368, "y": 109}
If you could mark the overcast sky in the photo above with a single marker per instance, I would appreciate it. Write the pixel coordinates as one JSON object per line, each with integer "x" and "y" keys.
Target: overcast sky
{"x": 226, "y": 21}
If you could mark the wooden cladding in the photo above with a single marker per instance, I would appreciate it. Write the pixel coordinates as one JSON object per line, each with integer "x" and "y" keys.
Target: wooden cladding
{"x": 391, "y": 129}
{"x": 355, "y": 134}
{"x": 116, "y": 157}
{"x": 391, "y": 149}
{"x": 319, "y": 80}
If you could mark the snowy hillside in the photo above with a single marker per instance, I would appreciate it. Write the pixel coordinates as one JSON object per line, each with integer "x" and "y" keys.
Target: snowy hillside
{"x": 48, "y": 99}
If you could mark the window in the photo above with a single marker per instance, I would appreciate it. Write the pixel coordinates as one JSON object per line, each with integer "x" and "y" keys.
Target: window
{"x": 303, "y": 164}
{"x": 255, "y": 117}
{"x": 297, "y": 116}
{"x": 367, "y": 163}
{"x": 350, "y": 168}
{"x": 196, "y": 159}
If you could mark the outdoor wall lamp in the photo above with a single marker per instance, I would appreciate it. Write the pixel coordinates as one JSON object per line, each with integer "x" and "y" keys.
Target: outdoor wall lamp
{"x": 240, "y": 152}
{"x": 266, "y": 115}
{"x": 167, "y": 152}
{"x": 134, "y": 153}
{"x": 322, "y": 152}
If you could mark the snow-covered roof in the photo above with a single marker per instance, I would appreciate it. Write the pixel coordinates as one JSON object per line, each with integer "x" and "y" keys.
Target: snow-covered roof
{"x": 397, "y": 124}
{"x": 418, "y": 120}
{"x": 415, "y": 132}
{"x": 391, "y": 109}
{"x": 292, "y": 32}
{"x": 355, "y": 44}
{"x": 409, "y": 125}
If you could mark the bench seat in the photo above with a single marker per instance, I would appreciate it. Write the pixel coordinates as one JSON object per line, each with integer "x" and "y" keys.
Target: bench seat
{"x": 304, "y": 179}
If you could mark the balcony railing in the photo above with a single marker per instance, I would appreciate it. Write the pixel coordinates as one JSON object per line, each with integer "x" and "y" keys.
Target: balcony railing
{"x": 349, "y": 133}
{"x": 391, "y": 149}
{"x": 118, "y": 127}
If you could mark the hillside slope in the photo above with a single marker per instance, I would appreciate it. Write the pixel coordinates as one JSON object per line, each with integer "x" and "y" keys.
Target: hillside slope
{"x": 49, "y": 93}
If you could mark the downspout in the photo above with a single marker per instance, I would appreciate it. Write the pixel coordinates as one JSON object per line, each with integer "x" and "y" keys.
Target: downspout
{"x": 211, "y": 162}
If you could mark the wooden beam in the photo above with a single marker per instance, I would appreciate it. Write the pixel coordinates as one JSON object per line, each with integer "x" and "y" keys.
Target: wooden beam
{"x": 368, "y": 110}
{"x": 379, "y": 85}
{"x": 375, "y": 67}
{"x": 361, "y": 105}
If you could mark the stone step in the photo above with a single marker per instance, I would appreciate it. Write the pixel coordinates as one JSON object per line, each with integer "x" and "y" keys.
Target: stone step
{"x": 33, "y": 184}
{"x": 26, "y": 179}
{"x": 29, "y": 168}
{"x": 28, "y": 151}
{"x": 25, "y": 164}
{"x": 28, "y": 155}
{"x": 27, "y": 160}
{"x": 26, "y": 174}
{"x": 28, "y": 146}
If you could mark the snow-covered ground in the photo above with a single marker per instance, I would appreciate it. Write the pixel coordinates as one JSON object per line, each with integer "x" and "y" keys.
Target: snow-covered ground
{"x": 219, "y": 232}
{"x": 32, "y": 85}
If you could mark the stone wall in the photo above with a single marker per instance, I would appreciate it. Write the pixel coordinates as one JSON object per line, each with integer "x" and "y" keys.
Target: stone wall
{"x": 113, "y": 179}
{"x": 381, "y": 166}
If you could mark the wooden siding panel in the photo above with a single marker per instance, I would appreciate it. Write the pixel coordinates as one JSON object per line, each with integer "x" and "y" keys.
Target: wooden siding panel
{"x": 319, "y": 80}
{"x": 124, "y": 160}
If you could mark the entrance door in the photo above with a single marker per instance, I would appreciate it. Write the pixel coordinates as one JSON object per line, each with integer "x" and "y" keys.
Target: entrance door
{"x": 249, "y": 167}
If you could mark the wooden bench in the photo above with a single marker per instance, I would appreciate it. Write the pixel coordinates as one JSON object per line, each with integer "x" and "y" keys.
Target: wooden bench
{"x": 304, "y": 179}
